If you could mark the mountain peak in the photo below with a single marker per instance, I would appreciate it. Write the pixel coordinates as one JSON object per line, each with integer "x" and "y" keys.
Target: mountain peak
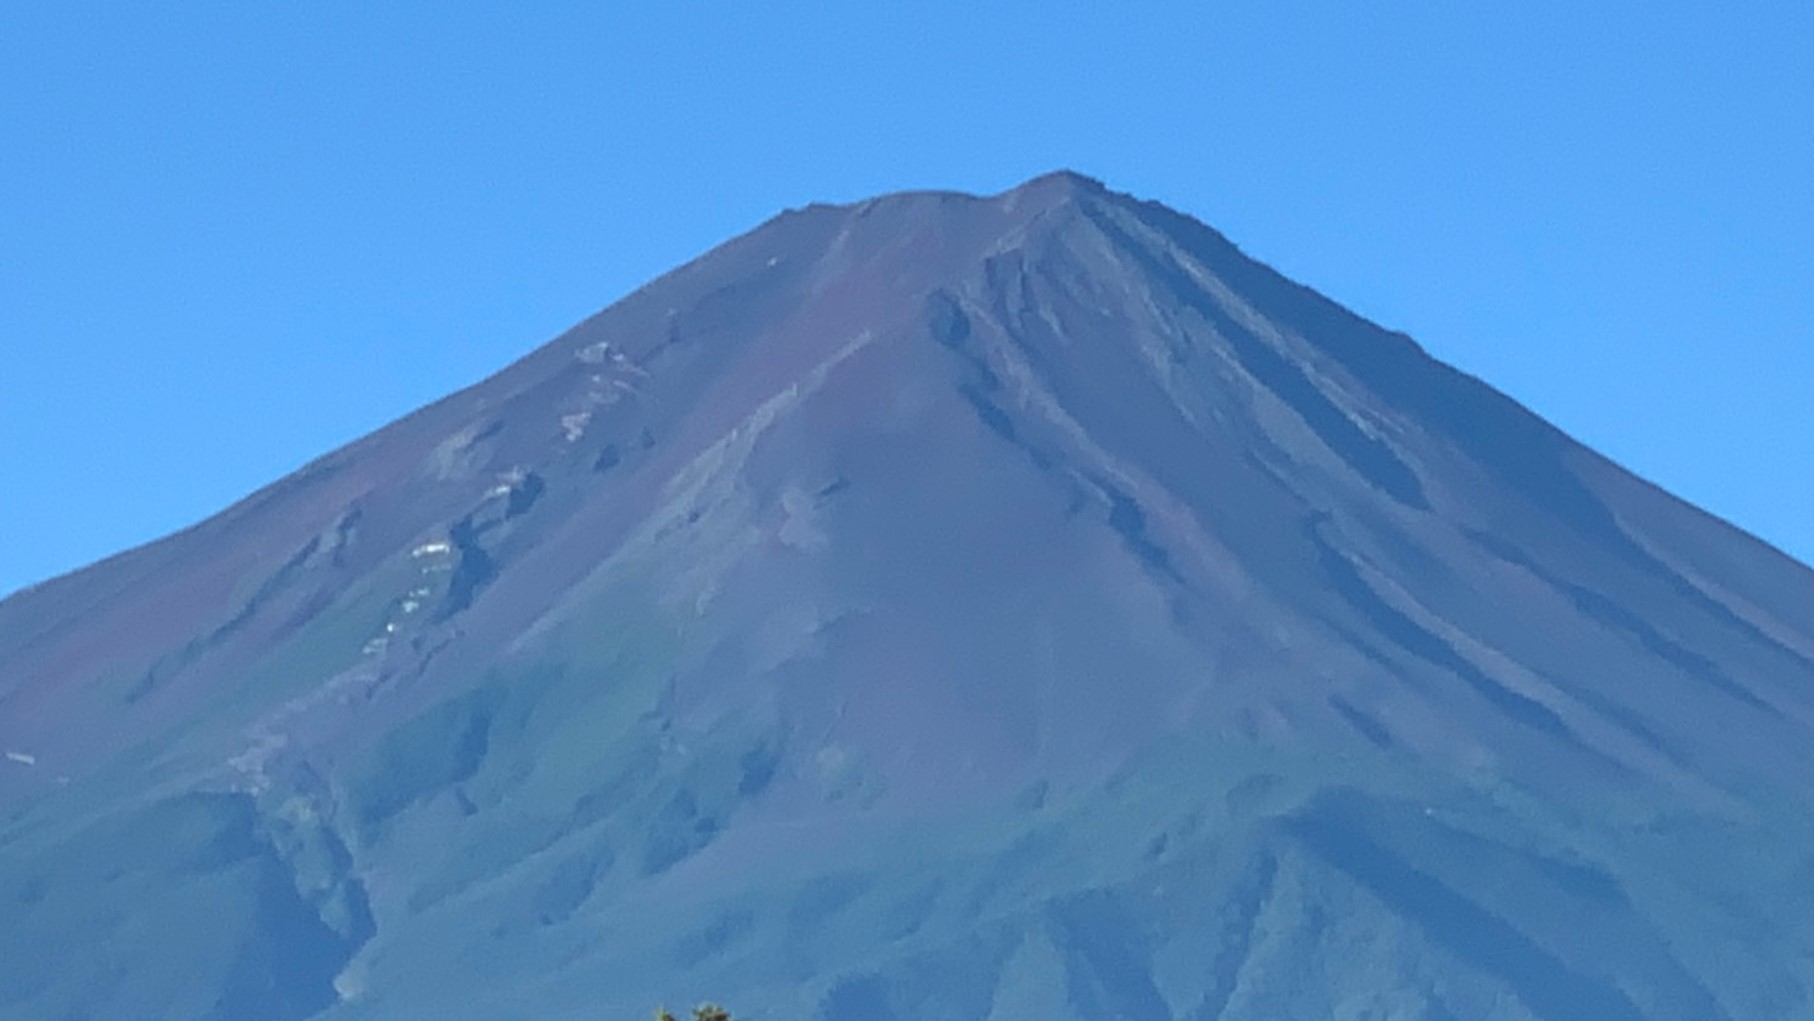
{"x": 1048, "y": 190}
{"x": 1063, "y": 182}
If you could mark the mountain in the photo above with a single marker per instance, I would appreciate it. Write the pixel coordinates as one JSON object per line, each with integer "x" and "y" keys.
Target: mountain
{"x": 935, "y": 607}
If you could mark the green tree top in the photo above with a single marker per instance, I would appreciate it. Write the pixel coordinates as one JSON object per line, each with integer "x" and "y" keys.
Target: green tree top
{"x": 703, "y": 1012}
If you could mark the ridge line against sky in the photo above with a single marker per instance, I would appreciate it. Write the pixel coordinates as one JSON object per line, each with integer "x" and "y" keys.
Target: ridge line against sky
{"x": 233, "y": 239}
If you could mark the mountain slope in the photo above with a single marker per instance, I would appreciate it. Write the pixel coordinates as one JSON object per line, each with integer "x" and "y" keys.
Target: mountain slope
{"x": 934, "y": 607}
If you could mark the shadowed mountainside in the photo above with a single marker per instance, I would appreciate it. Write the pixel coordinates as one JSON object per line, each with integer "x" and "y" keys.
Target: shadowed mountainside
{"x": 936, "y": 607}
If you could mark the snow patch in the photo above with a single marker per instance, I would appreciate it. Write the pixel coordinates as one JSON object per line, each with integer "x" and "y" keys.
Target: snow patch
{"x": 574, "y": 426}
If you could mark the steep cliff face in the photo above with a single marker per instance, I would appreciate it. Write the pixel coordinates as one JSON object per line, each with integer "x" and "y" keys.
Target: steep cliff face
{"x": 936, "y": 607}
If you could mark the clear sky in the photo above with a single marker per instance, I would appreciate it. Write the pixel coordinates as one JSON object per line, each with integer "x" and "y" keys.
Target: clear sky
{"x": 236, "y": 235}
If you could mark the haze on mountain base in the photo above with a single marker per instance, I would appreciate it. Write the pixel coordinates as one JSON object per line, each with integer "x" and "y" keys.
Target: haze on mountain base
{"x": 936, "y": 607}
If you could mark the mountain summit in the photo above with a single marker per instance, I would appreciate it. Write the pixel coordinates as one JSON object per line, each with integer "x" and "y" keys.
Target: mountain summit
{"x": 933, "y": 607}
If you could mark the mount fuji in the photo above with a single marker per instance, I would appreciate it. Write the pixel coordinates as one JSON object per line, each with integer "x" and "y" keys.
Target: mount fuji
{"x": 936, "y": 607}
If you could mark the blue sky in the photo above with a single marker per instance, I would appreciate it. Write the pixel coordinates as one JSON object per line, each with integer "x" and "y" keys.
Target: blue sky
{"x": 234, "y": 236}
